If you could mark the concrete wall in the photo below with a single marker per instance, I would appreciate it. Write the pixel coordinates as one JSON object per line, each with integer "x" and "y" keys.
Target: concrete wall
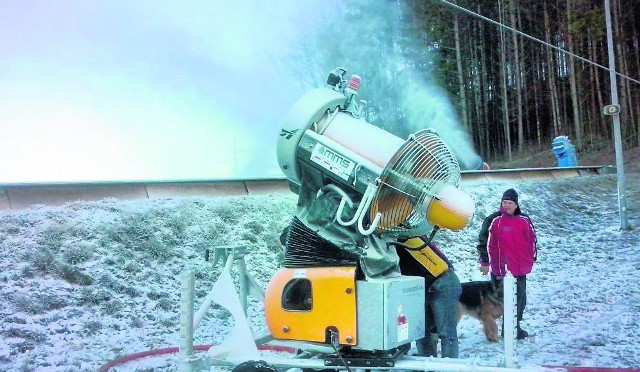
{"x": 20, "y": 196}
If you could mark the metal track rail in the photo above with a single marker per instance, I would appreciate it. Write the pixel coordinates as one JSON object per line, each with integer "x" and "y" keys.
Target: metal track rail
{"x": 15, "y": 196}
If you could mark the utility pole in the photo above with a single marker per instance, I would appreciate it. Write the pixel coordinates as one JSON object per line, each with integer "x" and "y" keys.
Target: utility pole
{"x": 614, "y": 111}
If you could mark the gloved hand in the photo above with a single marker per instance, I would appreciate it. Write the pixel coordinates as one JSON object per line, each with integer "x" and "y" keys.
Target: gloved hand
{"x": 484, "y": 268}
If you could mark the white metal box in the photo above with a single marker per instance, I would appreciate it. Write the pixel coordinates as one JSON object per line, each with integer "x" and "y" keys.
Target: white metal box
{"x": 390, "y": 312}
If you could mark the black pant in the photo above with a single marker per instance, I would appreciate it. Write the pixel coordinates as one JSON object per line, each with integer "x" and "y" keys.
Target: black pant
{"x": 521, "y": 295}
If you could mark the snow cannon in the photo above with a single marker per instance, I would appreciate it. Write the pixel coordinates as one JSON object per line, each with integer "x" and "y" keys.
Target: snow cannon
{"x": 403, "y": 186}
{"x": 360, "y": 190}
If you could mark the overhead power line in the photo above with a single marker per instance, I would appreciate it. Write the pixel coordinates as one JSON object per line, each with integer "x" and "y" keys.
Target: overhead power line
{"x": 464, "y": 10}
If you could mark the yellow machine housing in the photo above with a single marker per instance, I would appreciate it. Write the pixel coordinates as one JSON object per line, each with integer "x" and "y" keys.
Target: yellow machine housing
{"x": 303, "y": 303}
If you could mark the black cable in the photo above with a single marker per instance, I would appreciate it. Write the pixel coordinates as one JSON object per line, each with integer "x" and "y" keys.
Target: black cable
{"x": 334, "y": 342}
{"x": 408, "y": 247}
{"x": 426, "y": 242}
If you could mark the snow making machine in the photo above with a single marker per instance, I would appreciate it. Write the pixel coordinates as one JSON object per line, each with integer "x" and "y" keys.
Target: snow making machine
{"x": 360, "y": 189}
{"x": 340, "y": 297}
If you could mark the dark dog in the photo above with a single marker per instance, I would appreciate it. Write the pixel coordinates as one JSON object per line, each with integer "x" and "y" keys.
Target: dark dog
{"x": 483, "y": 300}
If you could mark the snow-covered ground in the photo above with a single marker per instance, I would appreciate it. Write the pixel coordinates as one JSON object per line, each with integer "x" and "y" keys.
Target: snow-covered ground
{"x": 87, "y": 282}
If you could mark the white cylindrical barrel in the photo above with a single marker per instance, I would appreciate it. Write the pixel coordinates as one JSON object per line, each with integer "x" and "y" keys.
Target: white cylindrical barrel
{"x": 366, "y": 140}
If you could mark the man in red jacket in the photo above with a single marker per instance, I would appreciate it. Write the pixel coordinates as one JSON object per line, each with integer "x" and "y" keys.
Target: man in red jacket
{"x": 508, "y": 240}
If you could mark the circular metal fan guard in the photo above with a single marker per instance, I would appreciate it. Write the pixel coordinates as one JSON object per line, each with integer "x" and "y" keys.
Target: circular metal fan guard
{"x": 409, "y": 183}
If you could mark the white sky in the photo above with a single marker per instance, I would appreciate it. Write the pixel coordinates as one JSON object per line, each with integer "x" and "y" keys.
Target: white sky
{"x": 145, "y": 90}
{"x": 119, "y": 90}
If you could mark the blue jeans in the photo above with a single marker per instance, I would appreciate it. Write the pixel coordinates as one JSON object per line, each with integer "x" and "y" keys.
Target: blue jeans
{"x": 441, "y": 317}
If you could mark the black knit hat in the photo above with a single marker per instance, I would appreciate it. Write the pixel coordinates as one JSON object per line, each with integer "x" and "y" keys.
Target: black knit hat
{"x": 510, "y": 194}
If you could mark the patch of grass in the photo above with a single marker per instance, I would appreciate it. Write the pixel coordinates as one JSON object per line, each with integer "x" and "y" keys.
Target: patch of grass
{"x": 215, "y": 233}
{"x": 136, "y": 322}
{"x": 228, "y": 212}
{"x": 165, "y": 304}
{"x": 110, "y": 282}
{"x": 119, "y": 350}
{"x": 153, "y": 295}
{"x": 15, "y": 319}
{"x": 94, "y": 297}
{"x": 26, "y": 303}
{"x": 27, "y": 272}
{"x": 202, "y": 273}
{"x": 38, "y": 303}
{"x": 91, "y": 327}
{"x": 255, "y": 227}
{"x": 250, "y": 237}
{"x": 156, "y": 248}
{"x": 177, "y": 223}
{"x": 14, "y": 223}
{"x": 107, "y": 280}
{"x": 63, "y": 330}
{"x": 53, "y": 237}
{"x": 201, "y": 292}
{"x": 42, "y": 260}
{"x": 132, "y": 267}
{"x": 280, "y": 257}
{"x": 131, "y": 291}
{"x": 78, "y": 254}
{"x": 53, "y": 301}
{"x": 151, "y": 233}
{"x": 272, "y": 235}
{"x": 150, "y": 317}
{"x": 110, "y": 261}
{"x": 72, "y": 274}
{"x": 11, "y": 227}
{"x": 25, "y": 334}
{"x": 23, "y": 347}
{"x": 169, "y": 323}
{"x": 104, "y": 240}
{"x": 112, "y": 307}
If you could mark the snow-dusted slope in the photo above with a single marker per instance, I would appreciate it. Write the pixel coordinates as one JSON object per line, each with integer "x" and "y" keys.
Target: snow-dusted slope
{"x": 87, "y": 282}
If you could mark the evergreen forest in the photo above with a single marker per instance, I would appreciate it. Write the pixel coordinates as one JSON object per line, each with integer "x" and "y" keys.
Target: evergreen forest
{"x": 516, "y": 73}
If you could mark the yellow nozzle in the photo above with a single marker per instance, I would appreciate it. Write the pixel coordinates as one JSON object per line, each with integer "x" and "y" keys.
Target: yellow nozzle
{"x": 451, "y": 209}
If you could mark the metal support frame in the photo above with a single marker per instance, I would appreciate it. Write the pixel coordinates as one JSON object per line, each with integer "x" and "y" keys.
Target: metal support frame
{"x": 188, "y": 360}
{"x": 412, "y": 363}
{"x": 189, "y": 321}
{"x": 248, "y": 285}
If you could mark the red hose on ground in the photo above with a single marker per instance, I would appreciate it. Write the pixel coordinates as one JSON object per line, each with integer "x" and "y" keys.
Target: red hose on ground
{"x": 175, "y": 349}
{"x": 596, "y": 369}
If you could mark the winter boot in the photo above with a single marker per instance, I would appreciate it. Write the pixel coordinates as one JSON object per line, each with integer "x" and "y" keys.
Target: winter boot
{"x": 521, "y": 333}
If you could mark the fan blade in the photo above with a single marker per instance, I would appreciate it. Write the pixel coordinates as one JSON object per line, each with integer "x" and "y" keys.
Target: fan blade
{"x": 394, "y": 207}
